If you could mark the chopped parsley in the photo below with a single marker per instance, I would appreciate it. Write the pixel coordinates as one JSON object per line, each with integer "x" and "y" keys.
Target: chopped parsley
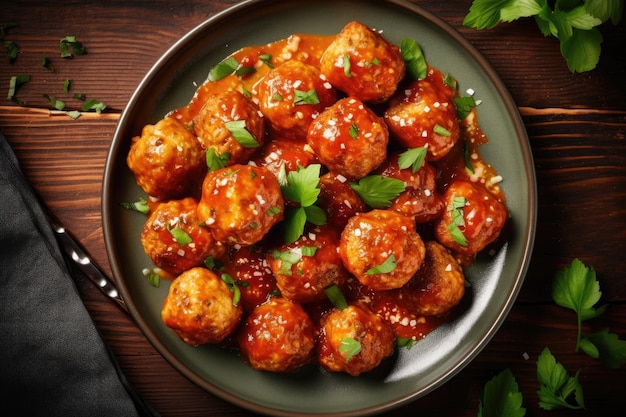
{"x": 180, "y": 236}
{"x": 223, "y": 69}
{"x": 305, "y": 97}
{"x": 378, "y": 191}
{"x": 334, "y": 294}
{"x": 349, "y": 347}
{"x": 414, "y": 58}
{"x": 440, "y": 130}
{"x": 354, "y": 131}
{"x": 458, "y": 220}
{"x": 12, "y": 50}
{"x": 464, "y": 106}
{"x": 267, "y": 60}
{"x": 57, "y": 104}
{"x": 413, "y": 158}
{"x": 215, "y": 161}
{"x": 347, "y": 66}
{"x": 388, "y": 266}
{"x": 237, "y": 128}
{"x": 15, "y": 82}
{"x": 70, "y": 42}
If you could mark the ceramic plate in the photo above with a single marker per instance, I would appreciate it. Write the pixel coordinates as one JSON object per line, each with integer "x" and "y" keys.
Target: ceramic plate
{"x": 495, "y": 280}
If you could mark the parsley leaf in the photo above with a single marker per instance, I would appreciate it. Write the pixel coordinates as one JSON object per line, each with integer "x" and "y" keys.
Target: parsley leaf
{"x": 414, "y": 58}
{"x": 96, "y": 105}
{"x": 336, "y": 297}
{"x": 576, "y": 287}
{"x": 413, "y": 158}
{"x": 457, "y": 211}
{"x": 378, "y": 191}
{"x": 501, "y": 397}
{"x": 233, "y": 286}
{"x": 349, "y": 347}
{"x": 384, "y": 268}
{"x": 556, "y": 387}
{"x": 237, "y": 128}
{"x": 464, "y": 106}
{"x": 215, "y": 161}
{"x": 305, "y": 97}
{"x": 223, "y": 69}
{"x": 267, "y": 60}
{"x": 607, "y": 347}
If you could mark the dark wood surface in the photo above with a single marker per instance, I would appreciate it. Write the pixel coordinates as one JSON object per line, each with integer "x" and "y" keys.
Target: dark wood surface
{"x": 576, "y": 124}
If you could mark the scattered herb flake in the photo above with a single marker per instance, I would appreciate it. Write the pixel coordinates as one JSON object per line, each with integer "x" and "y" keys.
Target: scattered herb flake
{"x": 349, "y": 347}
{"x": 334, "y": 294}
{"x": 140, "y": 206}
{"x": 346, "y": 66}
{"x": 45, "y": 62}
{"x": 267, "y": 60}
{"x": 237, "y": 128}
{"x": 12, "y": 50}
{"x": 384, "y": 268}
{"x": 440, "y": 130}
{"x": 96, "y": 105}
{"x": 215, "y": 161}
{"x": 181, "y": 237}
{"x": 70, "y": 42}
{"x": 464, "y": 106}
{"x": 413, "y": 158}
{"x": 354, "y": 131}
{"x": 15, "y": 82}
{"x": 378, "y": 191}
{"x": 414, "y": 58}
{"x": 305, "y": 97}
{"x": 223, "y": 69}
{"x": 57, "y": 104}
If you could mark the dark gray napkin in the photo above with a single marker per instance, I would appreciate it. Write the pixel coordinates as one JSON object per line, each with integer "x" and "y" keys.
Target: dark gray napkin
{"x": 52, "y": 359}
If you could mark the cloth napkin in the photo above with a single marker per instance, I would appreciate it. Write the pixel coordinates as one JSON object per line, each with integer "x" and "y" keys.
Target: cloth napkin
{"x": 53, "y": 362}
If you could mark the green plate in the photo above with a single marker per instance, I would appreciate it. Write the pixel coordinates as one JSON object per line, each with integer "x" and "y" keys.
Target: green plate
{"x": 495, "y": 280}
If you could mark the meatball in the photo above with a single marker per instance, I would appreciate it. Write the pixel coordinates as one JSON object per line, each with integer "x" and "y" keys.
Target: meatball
{"x": 167, "y": 160}
{"x": 287, "y": 153}
{"x": 240, "y": 203}
{"x": 354, "y": 340}
{"x": 230, "y": 124}
{"x": 423, "y": 114}
{"x": 173, "y": 238}
{"x": 278, "y": 336}
{"x": 439, "y": 284}
{"x": 473, "y": 218}
{"x": 248, "y": 266}
{"x": 361, "y": 63}
{"x": 292, "y": 95}
{"x": 199, "y": 308}
{"x": 305, "y": 267}
{"x": 381, "y": 248}
{"x": 338, "y": 200}
{"x": 349, "y": 138}
{"x": 420, "y": 200}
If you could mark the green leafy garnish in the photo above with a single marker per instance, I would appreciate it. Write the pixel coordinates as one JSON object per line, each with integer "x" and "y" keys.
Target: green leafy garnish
{"x": 464, "y": 106}
{"x": 440, "y": 130}
{"x": 413, "y": 158}
{"x": 347, "y": 66}
{"x": 154, "y": 279}
{"x": 288, "y": 258}
{"x": 15, "y": 82}
{"x": 237, "y": 128}
{"x": 467, "y": 153}
{"x": 573, "y": 22}
{"x": 45, "y": 62}
{"x": 405, "y": 342}
{"x": 349, "y": 347}
{"x": 334, "y": 294}
{"x": 74, "y": 114}
{"x": 57, "y": 104}
{"x": 96, "y": 105}
{"x": 305, "y": 97}
{"x": 354, "y": 131}
{"x": 70, "y": 42}
{"x": 66, "y": 86}
{"x": 450, "y": 81}
{"x": 180, "y": 236}
{"x": 458, "y": 220}
{"x": 215, "y": 161}
{"x": 605, "y": 346}
{"x": 414, "y": 58}
{"x": 378, "y": 191}
{"x": 556, "y": 387}
{"x": 223, "y": 69}
{"x": 501, "y": 397}
{"x": 233, "y": 286}
{"x": 12, "y": 50}
{"x": 384, "y": 268}
{"x": 140, "y": 206}
{"x": 302, "y": 187}
{"x": 267, "y": 60}
{"x": 4, "y": 29}
{"x": 576, "y": 287}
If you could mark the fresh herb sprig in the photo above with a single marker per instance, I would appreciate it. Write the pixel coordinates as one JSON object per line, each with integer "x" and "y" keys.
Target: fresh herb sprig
{"x": 501, "y": 397}
{"x": 573, "y": 22}
{"x": 556, "y": 386}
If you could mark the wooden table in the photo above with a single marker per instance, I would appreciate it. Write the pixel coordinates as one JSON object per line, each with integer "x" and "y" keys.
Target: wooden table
{"x": 577, "y": 129}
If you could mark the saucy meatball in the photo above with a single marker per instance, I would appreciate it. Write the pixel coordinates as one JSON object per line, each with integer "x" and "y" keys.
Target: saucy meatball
{"x": 349, "y": 138}
{"x": 338, "y": 199}
{"x": 439, "y": 284}
{"x": 424, "y": 114}
{"x": 173, "y": 238}
{"x": 292, "y": 95}
{"x": 285, "y": 153}
{"x": 381, "y": 248}
{"x": 278, "y": 336}
{"x": 240, "y": 203}
{"x": 473, "y": 218}
{"x": 305, "y": 267}
{"x": 354, "y": 340}
{"x": 230, "y": 123}
{"x": 420, "y": 200}
{"x": 361, "y": 63}
{"x": 248, "y": 266}
{"x": 167, "y": 160}
{"x": 199, "y": 308}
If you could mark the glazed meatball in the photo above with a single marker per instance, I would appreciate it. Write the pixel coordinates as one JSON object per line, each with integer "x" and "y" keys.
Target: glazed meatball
{"x": 287, "y": 153}
{"x": 167, "y": 160}
{"x": 354, "y": 340}
{"x": 173, "y": 238}
{"x": 361, "y": 63}
{"x": 439, "y": 284}
{"x": 423, "y": 114}
{"x": 473, "y": 218}
{"x": 248, "y": 266}
{"x": 199, "y": 308}
{"x": 420, "y": 200}
{"x": 230, "y": 123}
{"x": 278, "y": 336}
{"x": 305, "y": 267}
{"x": 292, "y": 95}
{"x": 240, "y": 203}
{"x": 338, "y": 200}
{"x": 381, "y": 248}
{"x": 349, "y": 138}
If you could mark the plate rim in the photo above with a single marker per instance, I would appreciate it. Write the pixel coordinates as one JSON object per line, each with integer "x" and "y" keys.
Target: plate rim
{"x": 527, "y": 241}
